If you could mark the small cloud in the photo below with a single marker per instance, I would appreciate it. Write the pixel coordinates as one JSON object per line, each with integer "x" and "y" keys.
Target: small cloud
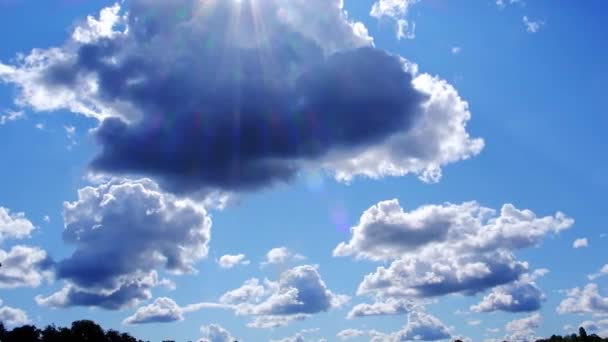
{"x": 601, "y": 273}
{"x": 46, "y": 218}
{"x": 456, "y": 50}
{"x": 531, "y": 25}
{"x": 11, "y": 116}
{"x": 603, "y": 235}
{"x": 40, "y": 126}
{"x": 229, "y": 261}
{"x": 70, "y": 132}
{"x": 474, "y": 322}
{"x": 580, "y": 243}
{"x": 503, "y": 3}
{"x": 281, "y": 255}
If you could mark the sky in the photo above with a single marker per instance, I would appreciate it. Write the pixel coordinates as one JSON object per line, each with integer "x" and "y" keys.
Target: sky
{"x": 288, "y": 170}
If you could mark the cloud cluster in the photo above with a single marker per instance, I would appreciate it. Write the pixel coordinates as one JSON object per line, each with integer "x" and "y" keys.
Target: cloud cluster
{"x": 442, "y": 249}
{"x": 585, "y": 300}
{"x": 299, "y": 292}
{"x": 282, "y": 94}
{"x": 21, "y": 266}
{"x": 122, "y": 232}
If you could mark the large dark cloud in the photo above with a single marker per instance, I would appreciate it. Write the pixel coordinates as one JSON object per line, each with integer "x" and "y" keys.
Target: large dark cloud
{"x": 241, "y": 114}
{"x": 237, "y": 95}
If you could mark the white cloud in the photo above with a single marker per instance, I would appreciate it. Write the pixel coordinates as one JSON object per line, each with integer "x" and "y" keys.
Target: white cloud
{"x": 603, "y": 271}
{"x": 516, "y": 297}
{"x": 14, "y": 225}
{"x": 580, "y": 243}
{"x": 531, "y": 25}
{"x": 298, "y": 337}
{"x": 474, "y": 322}
{"x": 456, "y": 50}
{"x": 585, "y": 300}
{"x": 11, "y": 115}
{"x": 281, "y": 255}
{"x": 347, "y": 334}
{"x": 123, "y": 231}
{"x": 442, "y": 249}
{"x": 163, "y": 309}
{"x": 422, "y": 326}
{"x": 70, "y": 132}
{"x": 24, "y": 266}
{"x": 502, "y": 3}
{"x": 438, "y": 138}
{"x": 216, "y": 333}
{"x": 405, "y": 29}
{"x": 523, "y": 329}
{"x": 12, "y": 317}
{"x": 229, "y": 261}
{"x": 391, "y": 306}
{"x": 391, "y": 8}
{"x": 299, "y": 292}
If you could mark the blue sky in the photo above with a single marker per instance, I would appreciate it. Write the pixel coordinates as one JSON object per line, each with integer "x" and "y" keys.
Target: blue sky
{"x": 470, "y": 108}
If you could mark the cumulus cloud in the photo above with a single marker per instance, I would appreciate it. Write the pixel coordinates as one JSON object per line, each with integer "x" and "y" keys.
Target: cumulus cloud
{"x": 298, "y": 95}
{"x": 229, "y": 261}
{"x": 14, "y": 225}
{"x": 523, "y": 329}
{"x": 520, "y": 296}
{"x": 122, "y": 232}
{"x": 24, "y": 266}
{"x": 580, "y": 243}
{"x": 281, "y": 255}
{"x": 585, "y": 300}
{"x": 516, "y": 297}
{"x": 162, "y": 310}
{"x": 456, "y": 50}
{"x": 12, "y": 317}
{"x": 442, "y": 249}
{"x": 422, "y": 326}
{"x": 299, "y": 292}
{"x": 216, "y": 333}
{"x": 391, "y": 306}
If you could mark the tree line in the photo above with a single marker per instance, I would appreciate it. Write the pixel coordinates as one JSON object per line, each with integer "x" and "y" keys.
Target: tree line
{"x": 89, "y": 331}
